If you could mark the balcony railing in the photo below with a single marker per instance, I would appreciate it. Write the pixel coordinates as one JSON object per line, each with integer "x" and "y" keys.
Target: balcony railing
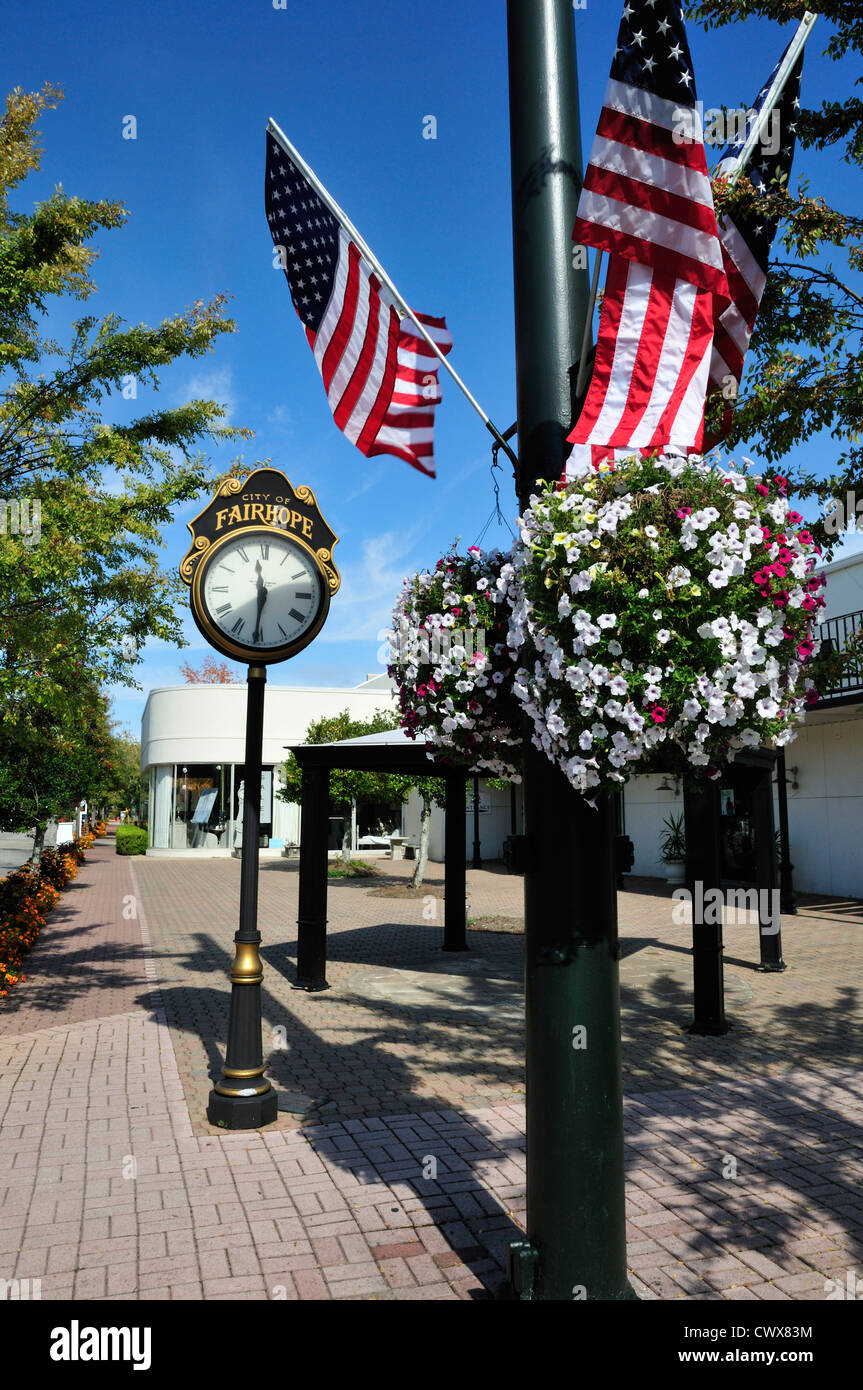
{"x": 835, "y": 635}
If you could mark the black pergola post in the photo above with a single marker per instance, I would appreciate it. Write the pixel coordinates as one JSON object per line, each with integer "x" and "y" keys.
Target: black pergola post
{"x": 701, "y": 808}
{"x": 766, "y": 876}
{"x": 455, "y": 875}
{"x": 477, "y": 854}
{"x": 786, "y": 882}
{"x": 312, "y": 915}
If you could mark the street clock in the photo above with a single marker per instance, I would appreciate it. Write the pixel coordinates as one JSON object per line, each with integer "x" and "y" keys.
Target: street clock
{"x": 260, "y": 568}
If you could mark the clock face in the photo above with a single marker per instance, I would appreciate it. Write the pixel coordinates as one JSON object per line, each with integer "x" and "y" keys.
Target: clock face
{"x": 261, "y": 591}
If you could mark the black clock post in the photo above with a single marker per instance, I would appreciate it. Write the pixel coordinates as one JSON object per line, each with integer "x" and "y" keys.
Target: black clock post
{"x": 244, "y": 1098}
{"x": 251, "y": 609}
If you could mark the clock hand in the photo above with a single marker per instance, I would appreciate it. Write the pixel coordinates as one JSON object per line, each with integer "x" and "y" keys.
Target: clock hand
{"x": 262, "y": 598}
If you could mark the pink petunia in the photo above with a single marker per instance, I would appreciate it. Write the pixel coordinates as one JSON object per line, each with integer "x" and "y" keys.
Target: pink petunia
{"x": 760, "y": 488}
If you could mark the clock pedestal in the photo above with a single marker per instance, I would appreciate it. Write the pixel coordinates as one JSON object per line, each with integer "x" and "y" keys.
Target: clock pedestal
{"x": 244, "y": 1099}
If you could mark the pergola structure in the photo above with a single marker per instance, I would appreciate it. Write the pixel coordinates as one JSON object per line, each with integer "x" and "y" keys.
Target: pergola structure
{"x": 388, "y": 752}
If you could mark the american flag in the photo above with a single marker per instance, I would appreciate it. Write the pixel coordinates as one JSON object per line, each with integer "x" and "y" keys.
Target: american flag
{"x": 380, "y": 375}
{"x": 746, "y": 241}
{"x": 647, "y": 200}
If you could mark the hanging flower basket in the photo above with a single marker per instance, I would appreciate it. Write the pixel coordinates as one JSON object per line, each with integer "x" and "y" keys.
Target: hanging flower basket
{"x": 452, "y": 666}
{"x": 671, "y": 606}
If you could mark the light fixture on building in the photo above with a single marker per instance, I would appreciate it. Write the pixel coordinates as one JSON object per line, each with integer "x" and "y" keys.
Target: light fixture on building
{"x": 664, "y": 786}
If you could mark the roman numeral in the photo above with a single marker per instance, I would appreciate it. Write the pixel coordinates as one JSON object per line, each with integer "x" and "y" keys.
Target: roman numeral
{"x": 225, "y": 608}
{"x": 297, "y": 616}
{"x": 225, "y": 567}
{"x": 281, "y": 629}
{"x": 265, "y": 551}
{"x": 242, "y": 554}
{"x": 238, "y": 625}
{"x": 220, "y": 588}
{"x": 299, "y": 595}
{"x": 300, "y": 575}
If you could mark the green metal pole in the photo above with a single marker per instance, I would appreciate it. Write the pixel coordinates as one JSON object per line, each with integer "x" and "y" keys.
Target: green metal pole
{"x": 575, "y": 1246}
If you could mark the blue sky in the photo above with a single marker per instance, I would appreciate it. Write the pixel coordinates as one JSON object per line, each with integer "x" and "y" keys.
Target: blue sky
{"x": 350, "y": 84}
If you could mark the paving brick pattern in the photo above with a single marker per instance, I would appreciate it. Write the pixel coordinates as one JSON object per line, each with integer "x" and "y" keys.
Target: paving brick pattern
{"x": 398, "y": 1172}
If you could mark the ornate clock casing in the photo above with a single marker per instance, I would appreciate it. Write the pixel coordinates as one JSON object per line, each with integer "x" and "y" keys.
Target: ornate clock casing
{"x": 260, "y": 568}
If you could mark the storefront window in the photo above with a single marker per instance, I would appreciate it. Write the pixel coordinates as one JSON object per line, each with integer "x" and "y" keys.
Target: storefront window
{"x": 200, "y": 806}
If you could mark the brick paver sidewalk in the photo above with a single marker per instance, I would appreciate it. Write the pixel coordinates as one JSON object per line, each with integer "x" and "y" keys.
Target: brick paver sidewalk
{"x": 396, "y": 1169}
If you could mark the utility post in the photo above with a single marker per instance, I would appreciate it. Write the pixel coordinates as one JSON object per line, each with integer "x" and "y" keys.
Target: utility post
{"x": 575, "y": 1246}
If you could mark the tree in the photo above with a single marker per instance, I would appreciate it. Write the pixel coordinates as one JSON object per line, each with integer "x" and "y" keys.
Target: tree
{"x": 804, "y": 369}
{"x": 210, "y": 672}
{"x": 123, "y": 785}
{"x": 81, "y": 585}
{"x": 347, "y": 786}
{"x": 57, "y": 763}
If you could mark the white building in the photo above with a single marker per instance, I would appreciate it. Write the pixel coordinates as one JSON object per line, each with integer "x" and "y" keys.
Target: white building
{"x": 824, "y": 771}
{"x": 193, "y": 749}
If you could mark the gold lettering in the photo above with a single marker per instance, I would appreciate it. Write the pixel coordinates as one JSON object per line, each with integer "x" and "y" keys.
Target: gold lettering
{"x": 234, "y": 517}
{"x": 307, "y": 527}
{"x": 296, "y": 520}
{"x": 220, "y": 519}
{"x": 282, "y": 518}
{"x": 256, "y": 512}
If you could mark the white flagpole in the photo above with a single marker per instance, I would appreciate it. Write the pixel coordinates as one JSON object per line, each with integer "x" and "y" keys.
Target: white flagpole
{"x": 780, "y": 81}
{"x": 401, "y": 302}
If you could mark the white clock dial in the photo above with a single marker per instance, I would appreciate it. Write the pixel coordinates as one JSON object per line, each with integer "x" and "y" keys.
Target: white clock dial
{"x": 262, "y": 590}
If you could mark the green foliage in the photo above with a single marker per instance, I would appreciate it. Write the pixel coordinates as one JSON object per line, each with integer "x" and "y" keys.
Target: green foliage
{"x": 672, "y": 845}
{"x": 52, "y": 754}
{"x": 345, "y": 785}
{"x": 83, "y": 591}
{"x": 122, "y": 783}
{"x": 355, "y": 868}
{"x": 131, "y": 839}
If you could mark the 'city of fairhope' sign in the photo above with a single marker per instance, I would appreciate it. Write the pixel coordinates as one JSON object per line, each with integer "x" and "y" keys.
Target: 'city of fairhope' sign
{"x": 265, "y": 498}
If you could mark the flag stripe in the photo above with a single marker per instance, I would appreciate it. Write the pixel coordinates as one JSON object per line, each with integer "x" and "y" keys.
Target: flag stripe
{"x": 364, "y": 358}
{"x": 384, "y": 351}
{"x": 646, "y": 135}
{"x": 379, "y": 409}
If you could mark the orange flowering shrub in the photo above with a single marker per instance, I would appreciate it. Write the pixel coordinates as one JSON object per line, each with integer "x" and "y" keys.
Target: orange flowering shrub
{"x": 26, "y": 898}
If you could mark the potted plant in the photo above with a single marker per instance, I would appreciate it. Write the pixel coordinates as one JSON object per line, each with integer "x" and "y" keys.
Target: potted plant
{"x": 672, "y": 849}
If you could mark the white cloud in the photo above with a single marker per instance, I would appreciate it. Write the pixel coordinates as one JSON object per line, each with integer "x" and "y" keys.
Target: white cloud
{"x": 214, "y": 385}
{"x": 280, "y": 420}
{"x": 364, "y": 604}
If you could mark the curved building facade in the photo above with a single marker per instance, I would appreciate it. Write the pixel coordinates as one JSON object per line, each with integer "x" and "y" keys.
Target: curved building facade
{"x": 193, "y": 750}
